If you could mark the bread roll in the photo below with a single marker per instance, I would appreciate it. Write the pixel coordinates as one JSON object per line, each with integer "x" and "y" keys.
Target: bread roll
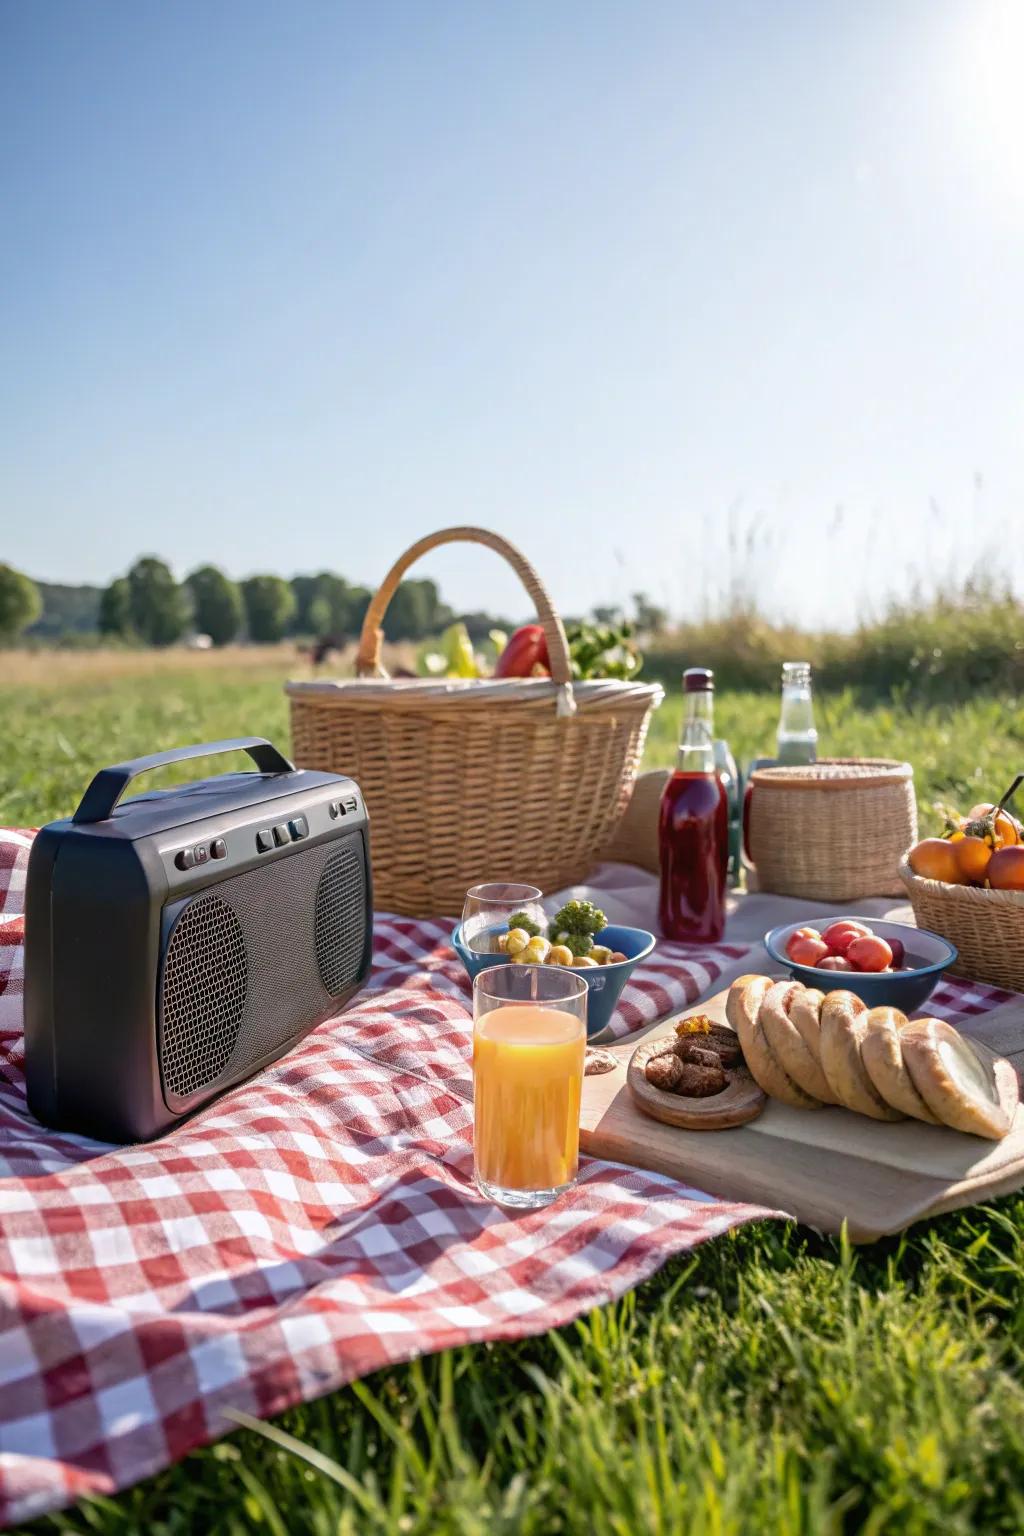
{"x": 843, "y": 1026}
{"x": 736, "y": 991}
{"x": 882, "y": 1055}
{"x": 791, "y": 1020}
{"x": 960, "y": 1084}
{"x": 743, "y": 1009}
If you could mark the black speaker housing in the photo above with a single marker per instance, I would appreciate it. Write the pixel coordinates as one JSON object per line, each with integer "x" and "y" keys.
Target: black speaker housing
{"x": 180, "y": 942}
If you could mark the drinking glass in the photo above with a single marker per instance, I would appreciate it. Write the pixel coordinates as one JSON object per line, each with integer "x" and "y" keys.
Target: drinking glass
{"x": 487, "y": 909}
{"x": 529, "y": 1041}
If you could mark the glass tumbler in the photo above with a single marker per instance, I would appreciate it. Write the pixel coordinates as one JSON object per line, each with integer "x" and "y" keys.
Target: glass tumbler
{"x": 487, "y": 909}
{"x": 529, "y": 1041}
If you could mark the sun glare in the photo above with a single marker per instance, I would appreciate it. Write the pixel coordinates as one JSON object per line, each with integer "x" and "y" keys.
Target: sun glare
{"x": 992, "y": 64}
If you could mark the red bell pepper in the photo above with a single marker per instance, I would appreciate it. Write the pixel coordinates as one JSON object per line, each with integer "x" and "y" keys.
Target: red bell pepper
{"x": 525, "y": 649}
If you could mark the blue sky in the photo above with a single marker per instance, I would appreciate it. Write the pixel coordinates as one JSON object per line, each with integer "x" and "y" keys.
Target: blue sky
{"x": 285, "y": 286}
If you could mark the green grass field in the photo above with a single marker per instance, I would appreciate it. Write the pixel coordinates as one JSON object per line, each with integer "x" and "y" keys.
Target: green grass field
{"x": 774, "y": 1382}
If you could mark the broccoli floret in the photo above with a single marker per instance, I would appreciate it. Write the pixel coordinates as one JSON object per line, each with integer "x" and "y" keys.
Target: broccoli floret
{"x": 579, "y": 917}
{"x": 580, "y": 943}
{"x": 525, "y": 922}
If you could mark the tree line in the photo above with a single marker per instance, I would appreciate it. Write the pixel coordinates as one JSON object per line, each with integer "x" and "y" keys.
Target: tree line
{"x": 148, "y": 606}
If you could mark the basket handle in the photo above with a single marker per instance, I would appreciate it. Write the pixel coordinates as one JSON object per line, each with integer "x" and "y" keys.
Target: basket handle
{"x": 368, "y": 663}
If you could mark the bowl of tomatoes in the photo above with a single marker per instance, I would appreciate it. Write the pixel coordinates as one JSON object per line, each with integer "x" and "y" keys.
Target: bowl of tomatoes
{"x": 884, "y": 963}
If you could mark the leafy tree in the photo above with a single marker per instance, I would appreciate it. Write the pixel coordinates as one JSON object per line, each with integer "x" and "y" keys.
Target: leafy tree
{"x": 415, "y": 611}
{"x": 115, "y": 616}
{"x": 20, "y": 603}
{"x": 330, "y": 608}
{"x": 607, "y": 617}
{"x": 326, "y": 605}
{"x": 358, "y": 602}
{"x": 216, "y": 604}
{"x": 269, "y": 606}
{"x": 648, "y": 616}
{"x": 304, "y": 593}
{"x": 67, "y": 610}
{"x": 479, "y": 624}
{"x": 159, "y": 613}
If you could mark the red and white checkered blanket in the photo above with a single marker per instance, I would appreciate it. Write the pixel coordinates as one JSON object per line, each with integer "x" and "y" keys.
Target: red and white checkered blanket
{"x": 313, "y": 1225}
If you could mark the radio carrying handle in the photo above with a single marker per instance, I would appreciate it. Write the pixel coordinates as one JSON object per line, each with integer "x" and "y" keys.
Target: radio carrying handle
{"x": 106, "y": 789}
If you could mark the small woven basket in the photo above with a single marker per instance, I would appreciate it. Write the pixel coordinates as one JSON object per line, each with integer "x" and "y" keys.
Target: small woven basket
{"x": 511, "y": 779}
{"x": 832, "y": 830}
{"x": 986, "y": 926}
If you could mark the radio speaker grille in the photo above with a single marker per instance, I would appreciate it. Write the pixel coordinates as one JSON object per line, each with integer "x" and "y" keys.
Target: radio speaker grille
{"x": 204, "y": 985}
{"x": 252, "y": 964}
{"x": 339, "y": 928}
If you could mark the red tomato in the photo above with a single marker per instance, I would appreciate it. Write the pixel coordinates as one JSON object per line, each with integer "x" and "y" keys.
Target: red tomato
{"x": 870, "y": 954}
{"x": 806, "y": 951}
{"x": 899, "y": 954}
{"x": 801, "y": 933}
{"x": 525, "y": 649}
{"x": 834, "y": 963}
{"x": 839, "y": 936}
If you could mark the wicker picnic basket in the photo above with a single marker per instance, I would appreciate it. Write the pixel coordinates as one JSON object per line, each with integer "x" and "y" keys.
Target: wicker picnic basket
{"x": 518, "y": 778}
{"x": 986, "y": 926}
{"x": 832, "y": 830}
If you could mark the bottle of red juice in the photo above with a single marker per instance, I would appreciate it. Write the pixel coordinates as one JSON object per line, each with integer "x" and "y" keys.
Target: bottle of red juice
{"x": 693, "y": 826}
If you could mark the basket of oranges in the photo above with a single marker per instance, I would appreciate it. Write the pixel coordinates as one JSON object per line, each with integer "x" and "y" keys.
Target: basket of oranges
{"x": 968, "y": 886}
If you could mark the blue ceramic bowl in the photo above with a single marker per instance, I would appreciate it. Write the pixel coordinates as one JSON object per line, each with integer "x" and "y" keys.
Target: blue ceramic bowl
{"x": 927, "y": 957}
{"x": 604, "y": 982}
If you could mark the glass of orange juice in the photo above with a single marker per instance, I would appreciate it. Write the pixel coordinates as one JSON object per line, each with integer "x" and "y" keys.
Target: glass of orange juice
{"x": 529, "y": 1041}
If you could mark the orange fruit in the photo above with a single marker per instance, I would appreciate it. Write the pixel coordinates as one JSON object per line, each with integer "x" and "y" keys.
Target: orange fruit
{"x": 935, "y": 859}
{"x": 1006, "y": 869}
{"x": 972, "y": 856}
{"x": 1007, "y": 829}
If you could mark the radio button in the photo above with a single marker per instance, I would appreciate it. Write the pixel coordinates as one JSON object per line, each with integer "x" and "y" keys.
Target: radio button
{"x": 200, "y": 853}
{"x": 298, "y": 827}
{"x": 281, "y": 834}
{"x": 218, "y": 848}
{"x": 264, "y": 841}
{"x": 184, "y": 859}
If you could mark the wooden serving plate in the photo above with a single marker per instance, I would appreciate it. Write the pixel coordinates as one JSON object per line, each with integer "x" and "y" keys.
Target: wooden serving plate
{"x": 823, "y": 1166}
{"x": 739, "y": 1101}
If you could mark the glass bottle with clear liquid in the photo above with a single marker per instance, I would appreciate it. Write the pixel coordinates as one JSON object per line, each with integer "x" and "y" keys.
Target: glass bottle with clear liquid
{"x": 693, "y": 825}
{"x": 797, "y": 738}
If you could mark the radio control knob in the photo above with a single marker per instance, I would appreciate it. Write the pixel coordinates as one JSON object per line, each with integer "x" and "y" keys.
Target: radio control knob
{"x": 184, "y": 859}
{"x": 218, "y": 848}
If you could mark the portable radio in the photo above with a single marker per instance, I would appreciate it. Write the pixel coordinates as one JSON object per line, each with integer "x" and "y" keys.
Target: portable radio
{"x": 180, "y": 941}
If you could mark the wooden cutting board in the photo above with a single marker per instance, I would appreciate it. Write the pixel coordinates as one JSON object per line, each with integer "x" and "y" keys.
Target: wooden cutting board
{"x": 822, "y": 1166}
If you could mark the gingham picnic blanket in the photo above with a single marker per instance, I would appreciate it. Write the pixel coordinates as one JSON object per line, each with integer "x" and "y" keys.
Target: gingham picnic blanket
{"x": 311, "y": 1226}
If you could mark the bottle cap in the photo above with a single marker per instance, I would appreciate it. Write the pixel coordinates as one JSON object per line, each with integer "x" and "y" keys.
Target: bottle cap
{"x": 698, "y": 680}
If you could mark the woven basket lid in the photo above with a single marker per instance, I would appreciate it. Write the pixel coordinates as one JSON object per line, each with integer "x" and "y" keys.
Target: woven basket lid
{"x": 836, "y": 773}
{"x": 410, "y": 693}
